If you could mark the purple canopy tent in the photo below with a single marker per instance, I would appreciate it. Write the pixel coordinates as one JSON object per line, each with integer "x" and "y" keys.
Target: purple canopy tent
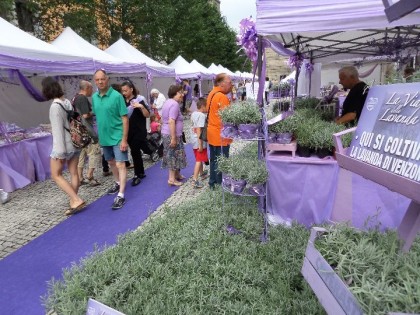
{"x": 331, "y": 30}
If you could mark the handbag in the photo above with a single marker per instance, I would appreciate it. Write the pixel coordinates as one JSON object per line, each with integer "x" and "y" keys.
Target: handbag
{"x": 203, "y": 134}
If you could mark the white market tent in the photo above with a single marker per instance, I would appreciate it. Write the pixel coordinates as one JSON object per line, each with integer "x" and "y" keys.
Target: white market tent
{"x": 208, "y": 74}
{"x": 226, "y": 70}
{"x": 70, "y": 41}
{"x": 330, "y": 30}
{"x": 20, "y": 50}
{"x": 185, "y": 70}
{"x": 124, "y": 51}
{"x": 215, "y": 69}
{"x": 24, "y": 61}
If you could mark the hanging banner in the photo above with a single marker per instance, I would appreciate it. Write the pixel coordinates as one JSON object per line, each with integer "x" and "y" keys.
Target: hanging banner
{"x": 388, "y": 132}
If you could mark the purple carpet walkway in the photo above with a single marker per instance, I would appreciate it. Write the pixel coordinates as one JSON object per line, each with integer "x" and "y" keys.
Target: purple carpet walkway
{"x": 24, "y": 273}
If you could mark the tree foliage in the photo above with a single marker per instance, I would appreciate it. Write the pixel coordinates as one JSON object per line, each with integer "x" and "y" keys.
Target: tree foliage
{"x": 161, "y": 29}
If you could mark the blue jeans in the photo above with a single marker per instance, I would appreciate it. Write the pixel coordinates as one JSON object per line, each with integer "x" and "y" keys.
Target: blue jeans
{"x": 215, "y": 151}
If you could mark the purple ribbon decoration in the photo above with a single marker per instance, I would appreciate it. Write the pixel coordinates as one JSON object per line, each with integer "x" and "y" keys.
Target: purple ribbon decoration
{"x": 178, "y": 80}
{"x": 309, "y": 67}
{"x": 295, "y": 61}
{"x": 32, "y": 90}
{"x": 149, "y": 78}
{"x": 248, "y": 39}
{"x": 199, "y": 85}
{"x": 4, "y": 131}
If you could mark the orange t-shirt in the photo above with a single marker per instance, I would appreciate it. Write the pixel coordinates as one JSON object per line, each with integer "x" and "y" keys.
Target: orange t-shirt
{"x": 219, "y": 101}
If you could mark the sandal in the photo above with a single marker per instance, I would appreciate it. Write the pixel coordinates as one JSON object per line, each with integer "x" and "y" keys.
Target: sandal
{"x": 93, "y": 182}
{"x": 71, "y": 211}
{"x": 174, "y": 183}
{"x": 180, "y": 177}
{"x": 84, "y": 181}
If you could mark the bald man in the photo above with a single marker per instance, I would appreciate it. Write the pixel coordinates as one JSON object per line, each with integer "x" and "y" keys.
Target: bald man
{"x": 353, "y": 104}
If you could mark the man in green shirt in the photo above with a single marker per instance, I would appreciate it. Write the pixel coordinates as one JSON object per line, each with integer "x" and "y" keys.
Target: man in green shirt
{"x": 112, "y": 120}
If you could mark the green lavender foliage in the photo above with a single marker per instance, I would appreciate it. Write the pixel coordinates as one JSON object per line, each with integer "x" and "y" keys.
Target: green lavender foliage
{"x": 184, "y": 262}
{"x": 381, "y": 277}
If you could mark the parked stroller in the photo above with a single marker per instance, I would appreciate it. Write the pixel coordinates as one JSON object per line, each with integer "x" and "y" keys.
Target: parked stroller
{"x": 154, "y": 142}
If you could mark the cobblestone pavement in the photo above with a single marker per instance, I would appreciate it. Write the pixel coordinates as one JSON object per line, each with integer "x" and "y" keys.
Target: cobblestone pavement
{"x": 38, "y": 207}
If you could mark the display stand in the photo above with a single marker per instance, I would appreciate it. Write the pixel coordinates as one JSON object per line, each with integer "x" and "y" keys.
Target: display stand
{"x": 410, "y": 224}
{"x": 261, "y": 198}
{"x": 279, "y": 147}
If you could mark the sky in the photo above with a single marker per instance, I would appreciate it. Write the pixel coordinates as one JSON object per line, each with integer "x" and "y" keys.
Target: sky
{"x": 236, "y": 10}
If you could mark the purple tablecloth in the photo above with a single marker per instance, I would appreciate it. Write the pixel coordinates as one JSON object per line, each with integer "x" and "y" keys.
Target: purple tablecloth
{"x": 24, "y": 162}
{"x": 305, "y": 190}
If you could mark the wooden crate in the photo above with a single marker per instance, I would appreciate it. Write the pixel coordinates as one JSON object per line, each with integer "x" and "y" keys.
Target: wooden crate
{"x": 331, "y": 291}
{"x": 289, "y": 147}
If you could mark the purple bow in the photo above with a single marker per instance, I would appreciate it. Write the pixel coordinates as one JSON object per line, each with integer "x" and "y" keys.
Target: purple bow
{"x": 248, "y": 39}
{"x": 295, "y": 61}
{"x": 309, "y": 67}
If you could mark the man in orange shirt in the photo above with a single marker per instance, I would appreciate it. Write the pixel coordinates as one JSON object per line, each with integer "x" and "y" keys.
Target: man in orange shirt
{"x": 217, "y": 100}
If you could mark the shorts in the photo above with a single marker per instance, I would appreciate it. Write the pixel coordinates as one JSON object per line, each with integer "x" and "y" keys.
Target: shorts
{"x": 93, "y": 152}
{"x": 201, "y": 156}
{"x": 114, "y": 153}
{"x": 64, "y": 156}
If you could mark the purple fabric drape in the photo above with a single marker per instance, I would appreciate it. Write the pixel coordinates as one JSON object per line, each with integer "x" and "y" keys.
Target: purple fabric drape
{"x": 274, "y": 16}
{"x": 261, "y": 81}
{"x": 280, "y": 49}
{"x": 367, "y": 72}
{"x": 32, "y": 90}
{"x": 87, "y": 66}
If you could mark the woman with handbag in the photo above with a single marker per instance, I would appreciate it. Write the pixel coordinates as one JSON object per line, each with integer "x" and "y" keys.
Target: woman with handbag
{"x": 174, "y": 157}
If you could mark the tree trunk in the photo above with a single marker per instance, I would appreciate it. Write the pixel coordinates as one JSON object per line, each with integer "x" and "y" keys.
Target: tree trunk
{"x": 25, "y": 16}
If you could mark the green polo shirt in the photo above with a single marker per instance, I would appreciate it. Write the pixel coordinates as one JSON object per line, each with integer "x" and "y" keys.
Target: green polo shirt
{"x": 109, "y": 109}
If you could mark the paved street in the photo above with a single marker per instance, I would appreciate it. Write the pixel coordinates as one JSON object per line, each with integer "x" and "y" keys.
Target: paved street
{"x": 38, "y": 207}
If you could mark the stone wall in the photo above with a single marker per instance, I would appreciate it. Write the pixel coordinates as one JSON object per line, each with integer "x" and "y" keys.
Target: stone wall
{"x": 276, "y": 65}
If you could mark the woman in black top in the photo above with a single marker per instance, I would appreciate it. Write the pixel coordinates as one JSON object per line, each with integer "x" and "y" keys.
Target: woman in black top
{"x": 138, "y": 111}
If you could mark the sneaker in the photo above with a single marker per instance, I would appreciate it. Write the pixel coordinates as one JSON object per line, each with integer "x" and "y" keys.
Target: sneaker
{"x": 142, "y": 176}
{"x": 135, "y": 181}
{"x": 118, "y": 203}
{"x": 197, "y": 184}
{"x": 114, "y": 189}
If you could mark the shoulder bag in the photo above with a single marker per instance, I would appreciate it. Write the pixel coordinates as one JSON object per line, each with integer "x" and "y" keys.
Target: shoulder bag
{"x": 203, "y": 134}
